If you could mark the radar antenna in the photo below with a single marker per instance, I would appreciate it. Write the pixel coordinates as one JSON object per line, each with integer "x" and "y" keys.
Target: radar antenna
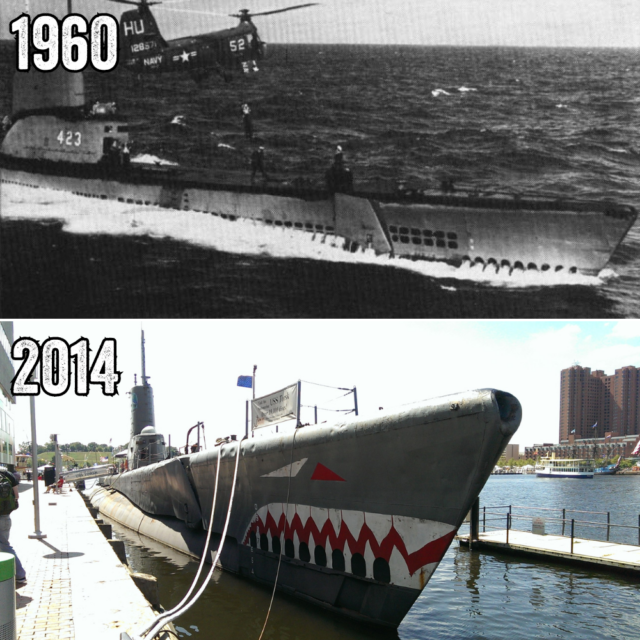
{"x": 144, "y": 376}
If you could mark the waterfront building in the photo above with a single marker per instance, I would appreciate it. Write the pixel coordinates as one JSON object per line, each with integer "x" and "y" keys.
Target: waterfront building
{"x": 594, "y": 405}
{"x": 511, "y": 452}
{"x": 589, "y": 448}
{"x": 7, "y": 427}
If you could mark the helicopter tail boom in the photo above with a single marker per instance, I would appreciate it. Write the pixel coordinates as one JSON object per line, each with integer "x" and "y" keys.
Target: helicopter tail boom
{"x": 140, "y": 37}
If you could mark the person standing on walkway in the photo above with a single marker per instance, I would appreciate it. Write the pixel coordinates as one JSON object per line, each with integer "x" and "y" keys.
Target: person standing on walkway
{"x": 9, "y": 485}
{"x": 49, "y": 477}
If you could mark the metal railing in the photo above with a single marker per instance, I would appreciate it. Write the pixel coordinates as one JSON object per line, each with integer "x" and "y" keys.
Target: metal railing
{"x": 502, "y": 517}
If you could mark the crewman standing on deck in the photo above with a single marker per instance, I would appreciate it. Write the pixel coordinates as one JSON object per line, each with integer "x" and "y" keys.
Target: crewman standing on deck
{"x": 257, "y": 164}
{"x": 126, "y": 155}
{"x": 338, "y": 177}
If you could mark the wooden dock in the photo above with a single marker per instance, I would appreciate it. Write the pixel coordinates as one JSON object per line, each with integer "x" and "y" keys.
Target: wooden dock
{"x": 610, "y": 555}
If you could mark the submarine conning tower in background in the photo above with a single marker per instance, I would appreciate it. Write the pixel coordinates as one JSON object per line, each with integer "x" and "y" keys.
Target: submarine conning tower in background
{"x": 35, "y": 91}
{"x": 51, "y": 121}
{"x": 145, "y": 446}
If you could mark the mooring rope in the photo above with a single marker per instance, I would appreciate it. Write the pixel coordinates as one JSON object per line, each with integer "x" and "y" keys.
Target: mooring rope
{"x": 286, "y": 514}
{"x": 203, "y": 558}
{"x": 195, "y": 598}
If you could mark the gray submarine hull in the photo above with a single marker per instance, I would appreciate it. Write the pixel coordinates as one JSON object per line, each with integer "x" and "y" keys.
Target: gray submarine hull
{"x": 56, "y": 142}
{"x": 374, "y": 503}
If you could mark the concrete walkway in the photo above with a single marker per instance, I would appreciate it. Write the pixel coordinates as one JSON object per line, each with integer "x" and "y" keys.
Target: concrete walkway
{"x": 607, "y": 554}
{"x": 76, "y": 586}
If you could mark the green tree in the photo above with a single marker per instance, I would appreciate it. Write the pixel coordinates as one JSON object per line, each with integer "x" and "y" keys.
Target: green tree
{"x": 24, "y": 447}
{"x": 92, "y": 446}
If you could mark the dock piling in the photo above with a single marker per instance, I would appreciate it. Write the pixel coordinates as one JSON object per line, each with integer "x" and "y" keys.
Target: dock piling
{"x": 474, "y": 523}
{"x": 572, "y": 532}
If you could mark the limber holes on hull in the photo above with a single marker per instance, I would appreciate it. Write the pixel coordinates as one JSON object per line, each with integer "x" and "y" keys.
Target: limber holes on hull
{"x": 381, "y": 569}
{"x": 425, "y": 237}
{"x": 403, "y": 235}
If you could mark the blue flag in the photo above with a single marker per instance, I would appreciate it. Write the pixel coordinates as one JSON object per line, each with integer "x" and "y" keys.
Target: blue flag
{"x": 573, "y": 431}
{"x": 595, "y": 425}
{"x": 245, "y": 381}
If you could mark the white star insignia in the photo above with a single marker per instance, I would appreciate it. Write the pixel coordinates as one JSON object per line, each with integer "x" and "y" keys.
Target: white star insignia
{"x": 185, "y": 56}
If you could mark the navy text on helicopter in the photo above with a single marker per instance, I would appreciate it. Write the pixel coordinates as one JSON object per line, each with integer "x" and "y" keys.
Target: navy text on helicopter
{"x": 144, "y": 50}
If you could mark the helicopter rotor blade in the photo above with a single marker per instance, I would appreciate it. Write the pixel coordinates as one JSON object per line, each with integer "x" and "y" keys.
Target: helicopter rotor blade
{"x": 141, "y": 3}
{"x": 268, "y": 13}
{"x": 219, "y": 15}
{"x": 199, "y": 13}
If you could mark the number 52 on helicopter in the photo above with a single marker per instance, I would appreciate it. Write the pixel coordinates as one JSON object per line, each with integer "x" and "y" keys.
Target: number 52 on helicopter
{"x": 238, "y": 49}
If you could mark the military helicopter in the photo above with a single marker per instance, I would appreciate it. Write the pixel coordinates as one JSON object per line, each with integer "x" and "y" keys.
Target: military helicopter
{"x": 144, "y": 50}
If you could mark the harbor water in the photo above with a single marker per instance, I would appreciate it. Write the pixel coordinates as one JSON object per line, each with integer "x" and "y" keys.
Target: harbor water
{"x": 471, "y": 595}
{"x": 520, "y": 121}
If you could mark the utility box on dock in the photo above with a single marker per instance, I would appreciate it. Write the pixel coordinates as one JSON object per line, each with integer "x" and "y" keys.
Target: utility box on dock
{"x": 7, "y": 597}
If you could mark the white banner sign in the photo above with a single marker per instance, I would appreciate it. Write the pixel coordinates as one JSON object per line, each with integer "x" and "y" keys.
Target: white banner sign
{"x": 276, "y": 407}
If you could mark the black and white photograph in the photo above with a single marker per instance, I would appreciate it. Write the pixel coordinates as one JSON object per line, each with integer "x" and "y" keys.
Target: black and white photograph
{"x": 240, "y": 480}
{"x": 361, "y": 159}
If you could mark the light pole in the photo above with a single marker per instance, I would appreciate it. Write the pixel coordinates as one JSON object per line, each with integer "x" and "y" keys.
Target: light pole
{"x": 38, "y": 535}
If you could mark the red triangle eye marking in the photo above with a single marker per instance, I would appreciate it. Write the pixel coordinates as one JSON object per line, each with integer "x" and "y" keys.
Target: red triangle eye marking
{"x": 322, "y": 473}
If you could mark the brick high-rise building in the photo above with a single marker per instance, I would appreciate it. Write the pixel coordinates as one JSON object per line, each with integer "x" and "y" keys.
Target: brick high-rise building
{"x": 593, "y": 398}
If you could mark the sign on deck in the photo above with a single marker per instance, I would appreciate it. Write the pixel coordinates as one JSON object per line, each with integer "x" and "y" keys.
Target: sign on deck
{"x": 276, "y": 407}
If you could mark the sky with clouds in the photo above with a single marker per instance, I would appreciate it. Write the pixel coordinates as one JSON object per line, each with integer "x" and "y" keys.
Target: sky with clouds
{"x": 194, "y": 367}
{"x": 583, "y": 23}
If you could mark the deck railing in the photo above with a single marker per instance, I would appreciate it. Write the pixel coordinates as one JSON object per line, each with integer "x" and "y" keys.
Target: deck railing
{"x": 556, "y": 522}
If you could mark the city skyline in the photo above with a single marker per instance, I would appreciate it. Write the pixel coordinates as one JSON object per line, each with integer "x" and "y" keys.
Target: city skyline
{"x": 194, "y": 366}
{"x": 541, "y": 23}
{"x": 593, "y": 403}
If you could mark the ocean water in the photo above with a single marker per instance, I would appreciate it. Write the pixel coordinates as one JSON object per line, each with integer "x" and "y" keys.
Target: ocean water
{"x": 539, "y": 121}
{"x": 471, "y": 594}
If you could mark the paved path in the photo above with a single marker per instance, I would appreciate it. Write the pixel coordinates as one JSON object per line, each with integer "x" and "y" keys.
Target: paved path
{"x": 76, "y": 586}
{"x": 608, "y": 554}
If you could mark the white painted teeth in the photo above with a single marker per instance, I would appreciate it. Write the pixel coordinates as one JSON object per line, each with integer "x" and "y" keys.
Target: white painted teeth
{"x": 399, "y": 549}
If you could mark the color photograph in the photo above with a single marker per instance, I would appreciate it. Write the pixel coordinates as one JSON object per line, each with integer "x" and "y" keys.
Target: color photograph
{"x": 248, "y": 479}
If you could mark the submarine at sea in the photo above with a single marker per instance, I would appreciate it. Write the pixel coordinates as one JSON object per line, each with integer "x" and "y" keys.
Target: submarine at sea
{"x": 357, "y": 514}
{"x": 56, "y": 141}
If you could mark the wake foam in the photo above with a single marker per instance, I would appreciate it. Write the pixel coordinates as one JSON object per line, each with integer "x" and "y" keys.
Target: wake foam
{"x": 92, "y": 217}
{"x": 145, "y": 158}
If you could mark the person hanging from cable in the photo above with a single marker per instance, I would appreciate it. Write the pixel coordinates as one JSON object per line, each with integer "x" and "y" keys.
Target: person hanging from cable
{"x": 247, "y": 121}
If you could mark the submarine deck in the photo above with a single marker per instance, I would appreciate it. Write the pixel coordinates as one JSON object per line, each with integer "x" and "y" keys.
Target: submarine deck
{"x": 312, "y": 189}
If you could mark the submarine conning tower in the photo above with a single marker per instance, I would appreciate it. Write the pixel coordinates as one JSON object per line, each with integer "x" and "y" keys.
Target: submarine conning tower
{"x": 142, "y": 411}
{"x": 51, "y": 120}
{"x": 145, "y": 446}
